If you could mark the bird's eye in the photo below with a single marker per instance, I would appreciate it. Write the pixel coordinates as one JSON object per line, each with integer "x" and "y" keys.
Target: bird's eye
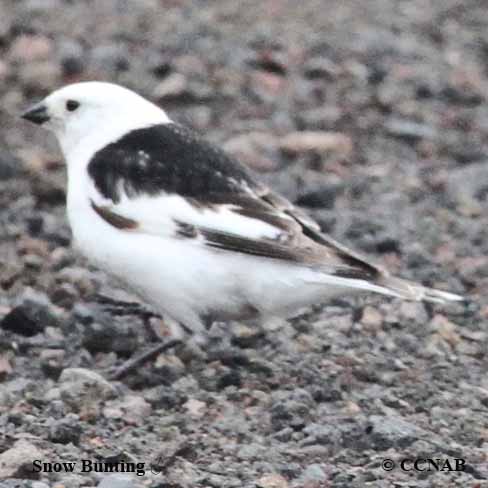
{"x": 72, "y": 105}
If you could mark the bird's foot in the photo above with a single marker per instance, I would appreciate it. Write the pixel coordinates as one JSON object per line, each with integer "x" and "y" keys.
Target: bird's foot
{"x": 120, "y": 307}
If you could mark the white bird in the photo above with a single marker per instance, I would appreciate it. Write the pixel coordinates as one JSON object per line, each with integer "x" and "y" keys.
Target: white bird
{"x": 186, "y": 226}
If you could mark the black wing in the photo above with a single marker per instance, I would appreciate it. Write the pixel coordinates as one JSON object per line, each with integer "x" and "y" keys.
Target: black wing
{"x": 173, "y": 160}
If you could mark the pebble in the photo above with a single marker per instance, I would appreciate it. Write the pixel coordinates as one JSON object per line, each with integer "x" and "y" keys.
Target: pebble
{"x": 10, "y": 166}
{"x": 321, "y": 434}
{"x": 323, "y": 197}
{"x": 255, "y": 149}
{"x": 27, "y": 48}
{"x": 39, "y": 76}
{"x": 291, "y": 410}
{"x": 105, "y": 335}
{"x": 132, "y": 408}
{"x": 272, "y": 481}
{"x": 72, "y": 58}
{"x": 5, "y": 366}
{"x": 164, "y": 397}
{"x": 31, "y": 317}
{"x": 16, "y": 462}
{"x": 465, "y": 185}
{"x": 388, "y": 432}
{"x": 408, "y": 130}
{"x": 321, "y": 68}
{"x": 413, "y": 312}
{"x": 371, "y": 318}
{"x": 313, "y": 476}
{"x": 82, "y": 279}
{"x": 195, "y": 407}
{"x": 52, "y": 362}
{"x": 84, "y": 389}
{"x": 66, "y": 430}
{"x": 271, "y": 61}
{"x": 111, "y": 57}
{"x": 446, "y": 329}
{"x": 317, "y": 142}
{"x": 117, "y": 481}
{"x": 64, "y": 295}
{"x": 172, "y": 87}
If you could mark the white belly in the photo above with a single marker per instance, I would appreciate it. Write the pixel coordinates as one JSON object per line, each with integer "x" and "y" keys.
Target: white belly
{"x": 182, "y": 278}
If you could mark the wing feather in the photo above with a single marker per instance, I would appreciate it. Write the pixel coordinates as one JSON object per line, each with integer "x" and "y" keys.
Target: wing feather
{"x": 172, "y": 183}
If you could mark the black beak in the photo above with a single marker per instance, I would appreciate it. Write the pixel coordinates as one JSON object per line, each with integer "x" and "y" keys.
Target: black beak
{"x": 36, "y": 114}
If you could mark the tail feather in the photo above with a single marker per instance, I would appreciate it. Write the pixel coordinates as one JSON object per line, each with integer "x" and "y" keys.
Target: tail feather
{"x": 413, "y": 291}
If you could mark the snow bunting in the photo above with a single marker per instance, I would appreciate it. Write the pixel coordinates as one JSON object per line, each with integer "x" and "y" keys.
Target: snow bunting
{"x": 186, "y": 226}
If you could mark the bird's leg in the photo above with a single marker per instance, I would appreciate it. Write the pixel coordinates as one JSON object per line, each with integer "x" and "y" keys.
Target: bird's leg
{"x": 149, "y": 355}
{"x": 120, "y": 308}
{"x": 177, "y": 335}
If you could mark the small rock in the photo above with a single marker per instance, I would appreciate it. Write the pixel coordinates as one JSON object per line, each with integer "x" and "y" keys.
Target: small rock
{"x": 48, "y": 191}
{"x": 39, "y": 76}
{"x": 371, "y": 318}
{"x": 33, "y": 262}
{"x": 291, "y": 410}
{"x": 16, "y": 462}
{"x": 39, "y": 484}
{"x": 271, "y": 61}
{"x": 72, "y": 58}
{"x": 465, "y": 186}
{"x": 117, "y": 481}
{"x": 446, "y": 329}
{"x": 172, "y": 87}
{"x": 272, "y": 481}
{"x": 244, "y": 336}
{"x": 113, "y": 57}
{"x": 413, "y": 312}
{"x": 29, "y": 318}
{"x": 106, "y": 336}
{"x": 30, "y": 245}
{"x": 82, "y": 279}
{"x": 5, "y": 366}
{"x": 231, "y": 377}
{"x": 313, "y": 477}
{"x": 65, "y": 295}
{"x": 170, "y": 366}
{"x": 267, "y": 86}
{"x": 387, "y": 432}
{"x": 83, "y": 389}
{"x": 134, "y": 409}
{"x": 161, "y": 67}
{"x": 254, "y": 149}
{"x": 408, "y": 130}
{"x": 317, "y": 142}
{"x": 60, "y": 257}
{"x": 52, "y": 361}
{"x": 29, "y": 48}
{"x": 323, "y": 197}
{"x": 65, "y": 431}
{"x": 5, "y": 71}
{"x": 251, "y": 451}
{"x": 10, "y": 166}
{"x": 322, "y": 434}
{"x": 322, "y": 118}
{"x": 321, "y": 68}
{"x": 195, "y": 407}
{"x": 165, "y": 397}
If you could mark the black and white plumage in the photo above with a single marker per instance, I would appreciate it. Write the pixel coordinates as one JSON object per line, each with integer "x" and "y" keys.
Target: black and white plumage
{"x": 185, "y": 225}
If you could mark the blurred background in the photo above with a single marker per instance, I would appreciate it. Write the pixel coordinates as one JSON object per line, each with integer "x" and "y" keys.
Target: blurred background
{"x": 373, "y": 117}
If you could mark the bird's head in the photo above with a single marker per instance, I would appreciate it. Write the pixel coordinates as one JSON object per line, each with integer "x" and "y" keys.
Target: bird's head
{"x": 93, "y": 113}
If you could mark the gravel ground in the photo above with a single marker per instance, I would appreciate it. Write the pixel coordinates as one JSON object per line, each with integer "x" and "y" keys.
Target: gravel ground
{"x": 372, "y": 116}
